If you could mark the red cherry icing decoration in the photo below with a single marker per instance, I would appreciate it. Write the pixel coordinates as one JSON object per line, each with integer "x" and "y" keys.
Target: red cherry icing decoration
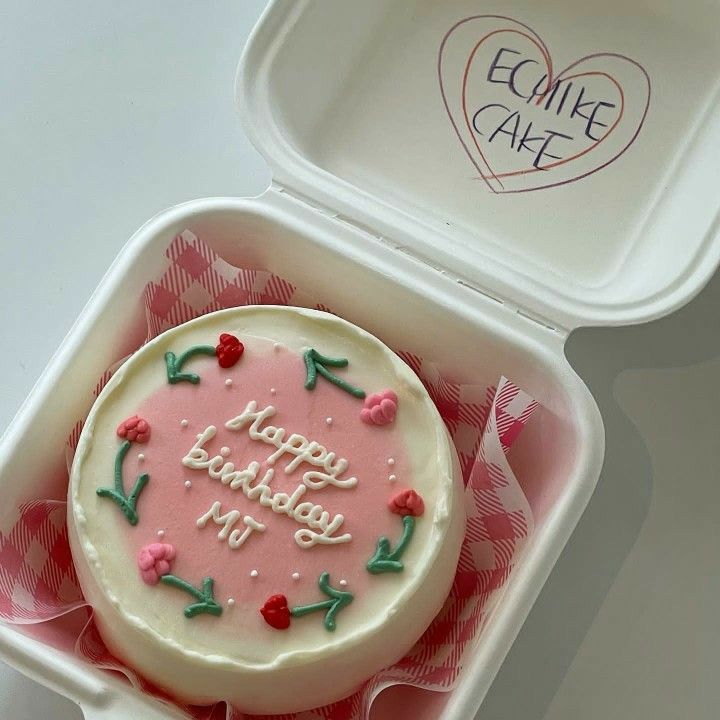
{"x": 276, "y": 612}
{"x": 229, "y": 350}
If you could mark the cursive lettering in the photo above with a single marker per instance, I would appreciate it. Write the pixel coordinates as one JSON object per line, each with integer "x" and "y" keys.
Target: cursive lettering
{"x": 321, "y": 527}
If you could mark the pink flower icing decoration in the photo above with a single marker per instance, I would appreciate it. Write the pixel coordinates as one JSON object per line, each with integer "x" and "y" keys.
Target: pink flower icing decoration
{"x": 154, "y": 561}
{"x": 379, "y": 408}
{"x": 407, "y": 502}
{"x": 134, "y": 429}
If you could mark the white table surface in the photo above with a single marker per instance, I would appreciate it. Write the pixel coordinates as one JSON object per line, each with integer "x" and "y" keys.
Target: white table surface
{"x": 112, "y": 111}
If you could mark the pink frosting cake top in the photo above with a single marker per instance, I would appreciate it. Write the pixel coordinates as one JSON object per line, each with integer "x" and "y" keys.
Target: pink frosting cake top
{"x": 262, "y": 485}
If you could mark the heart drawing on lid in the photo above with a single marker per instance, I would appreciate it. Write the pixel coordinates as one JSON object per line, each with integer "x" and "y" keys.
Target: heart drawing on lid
{"x": 525, "y": 126}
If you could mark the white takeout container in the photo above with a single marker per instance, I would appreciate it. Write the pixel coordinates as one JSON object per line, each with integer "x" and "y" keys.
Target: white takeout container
{"x": 377, "y": 211}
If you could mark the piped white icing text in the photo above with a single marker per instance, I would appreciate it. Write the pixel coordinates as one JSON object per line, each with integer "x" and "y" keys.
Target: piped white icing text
{"x": 321, "y": 525}
{"x": 304, "y": 450}
{"x": 235, "y": 538}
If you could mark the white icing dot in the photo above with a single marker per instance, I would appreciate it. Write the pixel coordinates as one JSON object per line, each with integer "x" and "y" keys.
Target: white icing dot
{"x": 391, "y": 461}
{"x": 188, "y": 484}
{"x": 224, "y": 451}
{"x": 296, "y": 576}
{"x": 199, "y": 436}
{"x": 228, "y": 382}
{"x": 254, "y": 573}
{"x": 141, "y": 457}
{"x": 184, "y": 423}
{"x": 392, "y": 478}
{"x": 273, "y": 391}
{"x": 231, "y": 602}
{"x": 276, "y": 347}
{"x": 343, "y": 583}
{"x": 328, "y": 421}
{"x": 161, "y": 533}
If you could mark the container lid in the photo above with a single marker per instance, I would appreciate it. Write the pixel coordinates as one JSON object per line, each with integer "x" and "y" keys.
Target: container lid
{"x": 563, "y": 157}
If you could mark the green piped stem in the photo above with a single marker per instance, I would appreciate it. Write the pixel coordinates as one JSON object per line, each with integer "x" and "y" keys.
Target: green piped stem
{"x": 126, "y": 503}
{"x": 301, "y": 610}
{"x": 338, "y": 599}
{"x": 385, "y": 560}
{"x": 119, "y": 459}
{"x": 174, "y": 364}
{"x": 315, "y": 364}
{"x": 206, "y": 601}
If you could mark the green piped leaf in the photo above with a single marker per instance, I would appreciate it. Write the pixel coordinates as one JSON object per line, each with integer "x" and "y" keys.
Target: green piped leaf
{"x": 338, "y": 599}
{"x": 387, "y": 560}
{"x": 126, "y": 503}
{"x": 175, "y": 363}
{"x": 206, "y": 602}
{"x": 315, "y": 365}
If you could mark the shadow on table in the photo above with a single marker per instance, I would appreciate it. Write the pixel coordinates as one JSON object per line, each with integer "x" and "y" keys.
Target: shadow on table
{"x": 557, "y": 624}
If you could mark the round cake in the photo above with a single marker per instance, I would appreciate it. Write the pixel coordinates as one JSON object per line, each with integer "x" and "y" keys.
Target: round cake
{"x": 264, "y": 508}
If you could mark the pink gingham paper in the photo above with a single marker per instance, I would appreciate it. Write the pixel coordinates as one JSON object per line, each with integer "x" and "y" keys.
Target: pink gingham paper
{"x": 38, "y": 582}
